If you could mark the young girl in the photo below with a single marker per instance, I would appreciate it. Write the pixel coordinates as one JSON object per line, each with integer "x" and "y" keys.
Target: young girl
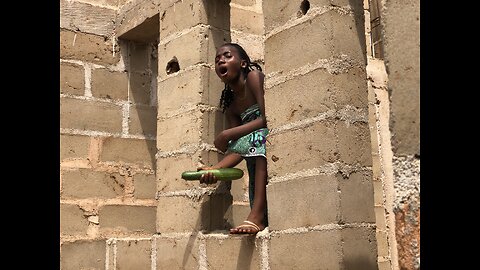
{"x": 243, "y": 103}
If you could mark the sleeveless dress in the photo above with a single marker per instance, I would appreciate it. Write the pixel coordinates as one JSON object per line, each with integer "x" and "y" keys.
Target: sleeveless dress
{"x": 250, "y": 146}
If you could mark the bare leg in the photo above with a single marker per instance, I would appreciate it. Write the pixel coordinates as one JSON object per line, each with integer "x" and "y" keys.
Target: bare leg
{"x": 260, "y": 199}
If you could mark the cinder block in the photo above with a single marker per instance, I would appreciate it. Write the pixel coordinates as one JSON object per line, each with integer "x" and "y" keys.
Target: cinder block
{"x": 143, "y": 120}
{"x": 236, "y": 214}
{"x": 72, "y": 220}
{"x": 303, "y": 97}
{"x": 384, "y": 265}
{"x": 239, "y": 188}
{"x": 219, "y": 214}
{"x": 253, "y": 45}
{"x": 242, "y": 253}
{"x": 138, "y": 20}
{"x": 189, "y": 128}
{"x": 139, "y": 56}
{"x": 74, "y": 146}
{"x": 127, "y": 218}
{"x": 177, "y": 253}
{"x": 134, "y": 254}
{"x": 87, "y": 47}
{"x": 145, "y": 186}
{"x": 309, "y": 41}
{"x": 86, "y": 18}
{"x": 188, "y": 13}
{"x": 351, "y": 88}
{"x": 98, "y": 116}
{"x": 197, "y": 46}
{"x": 380, "y": 218}
{"x": 136, "y": 151}
{"x": 378, "y": 193}
{"x": 246, "y": 21}
{"x": 277, "y": 13}
{"x": 140, "y": 87}
{"x": 305, "y": 202}
{"x": 243, "y": 2}
{"x": 82, "y": 254}
{"x": 382, "y": 243}
{"x": 169, "y": 172}
{"x": 72, "y": 79}
{"x": 301, "y": 149}
{"x": 310, "y": 250}
{"x": 348, "y": 34}
{"x": 357, "y": 197}
{"x": 359, "y": 248}
{"x": 182, "y": 214}
{"x": 354, "y": 143}
{"x": 109, "y": 84}
{"x": 85, "y": 183}
{"x": 198, "y": 85}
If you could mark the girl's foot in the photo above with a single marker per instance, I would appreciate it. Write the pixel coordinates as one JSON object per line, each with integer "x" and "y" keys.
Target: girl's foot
{"x": 247, "y": 227}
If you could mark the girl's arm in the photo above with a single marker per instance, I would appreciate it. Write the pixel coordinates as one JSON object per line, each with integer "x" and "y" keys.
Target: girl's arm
{"x": 255, "y": 81}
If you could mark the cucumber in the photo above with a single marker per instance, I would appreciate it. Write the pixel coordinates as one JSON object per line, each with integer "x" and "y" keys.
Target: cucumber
{"x": 224, "y": 174}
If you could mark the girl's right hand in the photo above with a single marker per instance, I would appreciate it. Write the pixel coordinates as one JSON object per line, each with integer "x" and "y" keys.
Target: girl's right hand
{"x": 207, "y": 178}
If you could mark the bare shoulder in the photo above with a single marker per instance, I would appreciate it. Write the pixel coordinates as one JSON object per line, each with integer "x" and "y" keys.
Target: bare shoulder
{"x": 255, "y": 74}
{"x": 255, "y": 77}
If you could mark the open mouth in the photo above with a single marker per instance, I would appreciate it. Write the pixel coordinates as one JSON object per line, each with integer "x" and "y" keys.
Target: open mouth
{"x": 223, "y": 71}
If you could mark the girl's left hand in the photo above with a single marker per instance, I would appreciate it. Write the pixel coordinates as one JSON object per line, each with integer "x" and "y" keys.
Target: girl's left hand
{"x": 221, "y": 142}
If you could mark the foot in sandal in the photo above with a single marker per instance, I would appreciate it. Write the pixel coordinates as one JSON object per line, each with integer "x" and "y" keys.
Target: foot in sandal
{"x": 247, "y": 227}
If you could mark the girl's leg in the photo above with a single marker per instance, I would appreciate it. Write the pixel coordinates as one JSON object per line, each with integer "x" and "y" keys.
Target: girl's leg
{"x": 258, "y": 213}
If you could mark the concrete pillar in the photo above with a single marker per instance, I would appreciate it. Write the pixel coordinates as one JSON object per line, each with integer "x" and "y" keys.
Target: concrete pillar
{"x": 320, "y": 191}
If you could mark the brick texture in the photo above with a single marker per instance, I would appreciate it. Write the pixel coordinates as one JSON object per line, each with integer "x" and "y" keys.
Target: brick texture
{"x": 87, "y": 47}
{"x": 85, "y": 183}
{"x": 301, "y": 194}
{"x": 311, "y": 250}
{"x": 134, "y": 254}
{"x": 318, "y": 140}
{"x": 354, "y": 143}
{"x": 357, "y": 198}
{"x": 72, "y": 79}
{"x": 109, "y": 84}
{"x": 143, "y": 120}
{"x": 98, "y": 116}
{"x": 82, "y": 255}
{"x": 72, "y": 220}
{"x": 243, "y": 253}
{"x": 127, "y": 218}
{"x": 188, "y": 13}
{"x": 145, "y": 187}
{"x": 177, "y": 253}
{"x": 134, "y": 151}
{"x": 74, "y": 146}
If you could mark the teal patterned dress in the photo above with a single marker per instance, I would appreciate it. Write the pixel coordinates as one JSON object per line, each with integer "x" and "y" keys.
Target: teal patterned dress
{"x": 250, "y": 146}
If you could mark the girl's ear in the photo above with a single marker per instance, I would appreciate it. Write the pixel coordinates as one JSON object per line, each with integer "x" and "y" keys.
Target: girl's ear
{"x": 243, "y": 63}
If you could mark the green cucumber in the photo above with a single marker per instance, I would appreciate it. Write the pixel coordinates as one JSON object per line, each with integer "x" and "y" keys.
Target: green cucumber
{"x": 223, "y": 174}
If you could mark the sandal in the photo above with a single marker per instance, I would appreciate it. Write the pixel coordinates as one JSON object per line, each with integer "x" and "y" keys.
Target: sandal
{"x": 246, "y": 225}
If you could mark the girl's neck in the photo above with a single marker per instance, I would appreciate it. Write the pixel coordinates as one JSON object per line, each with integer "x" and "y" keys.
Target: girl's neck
{"x": 238, "y": 85}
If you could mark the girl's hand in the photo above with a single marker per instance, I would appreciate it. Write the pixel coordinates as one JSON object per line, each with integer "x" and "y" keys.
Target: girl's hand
{"x": 221, "y": 142}
{"x": 207, "y": 178}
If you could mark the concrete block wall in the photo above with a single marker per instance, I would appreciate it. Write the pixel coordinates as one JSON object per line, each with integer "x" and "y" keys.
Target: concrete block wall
{"x": 320, "y": 191}
{"x": 403, "y": 71}
{"x": 107, "y": 136}
{"x": 247, "y": 27}
{"x": 123, "y": 158}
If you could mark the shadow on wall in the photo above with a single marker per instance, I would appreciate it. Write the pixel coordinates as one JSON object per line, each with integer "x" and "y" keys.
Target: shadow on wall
{"x": 359, "y": 17}
{"x": 141, "y": 63}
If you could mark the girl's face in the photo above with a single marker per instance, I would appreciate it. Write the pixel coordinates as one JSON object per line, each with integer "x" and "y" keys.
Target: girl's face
{"x": 228, "y": 64}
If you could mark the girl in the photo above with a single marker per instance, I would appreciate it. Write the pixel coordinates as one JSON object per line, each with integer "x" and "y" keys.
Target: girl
{"x": 243, "y": 103}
